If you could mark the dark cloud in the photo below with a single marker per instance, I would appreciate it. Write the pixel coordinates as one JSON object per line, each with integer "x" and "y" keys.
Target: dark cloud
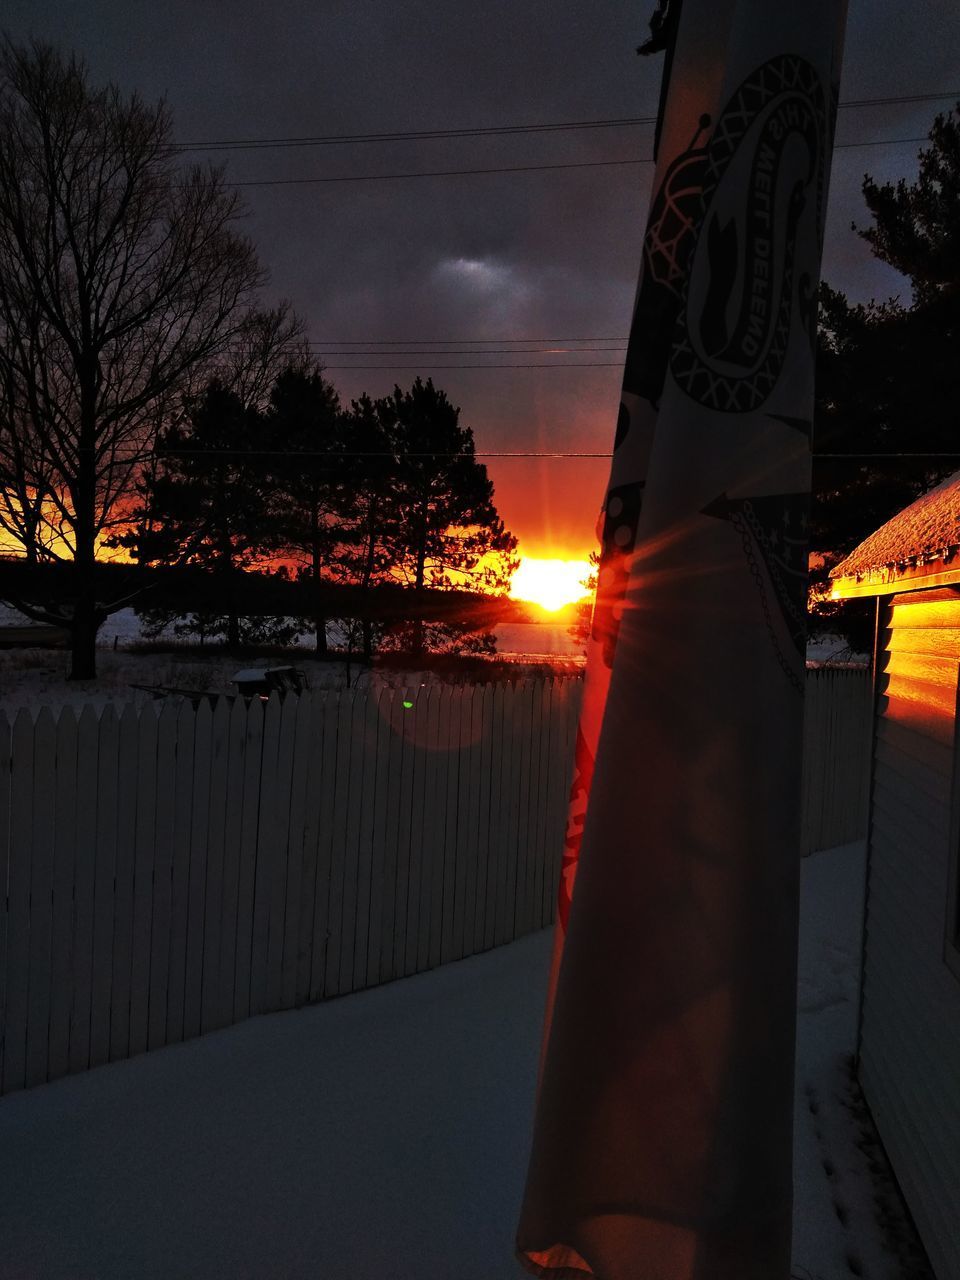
{"x": 526, "y": 254}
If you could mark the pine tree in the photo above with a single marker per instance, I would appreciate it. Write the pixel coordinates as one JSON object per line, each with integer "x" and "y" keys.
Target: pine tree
{"x": 208, "y": 501}
{"x": 443, "y": 529}
{"x": 888, "y": 374}
{"x": 312, "y": 480}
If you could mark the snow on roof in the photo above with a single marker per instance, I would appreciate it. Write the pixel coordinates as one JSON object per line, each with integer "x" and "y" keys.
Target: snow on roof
{"x": 926, "y": 531}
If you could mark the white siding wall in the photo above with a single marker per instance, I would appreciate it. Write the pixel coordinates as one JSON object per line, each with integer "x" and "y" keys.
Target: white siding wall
{"x": 910, "y": 1037}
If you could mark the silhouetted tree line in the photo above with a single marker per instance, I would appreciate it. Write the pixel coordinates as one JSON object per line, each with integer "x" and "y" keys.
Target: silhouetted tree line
{"x": 385, "y": 491}
{"x": 149, "y": 401}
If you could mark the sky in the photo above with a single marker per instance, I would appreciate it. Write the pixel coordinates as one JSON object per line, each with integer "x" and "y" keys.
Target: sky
{"x": 548, "y": 254}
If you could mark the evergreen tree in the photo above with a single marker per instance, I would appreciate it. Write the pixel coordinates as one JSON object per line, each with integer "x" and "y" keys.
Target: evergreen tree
{"x": 443, "y": 529}
{"x": 370, "y": 467}
{"x": 313, "y": 482}
{"x": 208, "y": 500}
{"x": 888, "y": 374}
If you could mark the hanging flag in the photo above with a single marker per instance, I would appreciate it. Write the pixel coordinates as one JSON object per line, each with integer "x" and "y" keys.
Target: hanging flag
{"x": 680, "y": 152}
{"x": 663, "y": 1136}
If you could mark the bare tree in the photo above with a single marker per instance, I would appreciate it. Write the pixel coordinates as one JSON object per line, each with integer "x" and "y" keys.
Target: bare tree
{"x": 270, "y": 341}
{"x": 25, "y": 471}
{"x": 121, "y": 272}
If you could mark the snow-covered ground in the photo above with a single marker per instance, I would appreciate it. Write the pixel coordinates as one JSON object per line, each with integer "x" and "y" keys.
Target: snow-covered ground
{"x": 33, "y": 678}
{"x": 384, "y": 1136}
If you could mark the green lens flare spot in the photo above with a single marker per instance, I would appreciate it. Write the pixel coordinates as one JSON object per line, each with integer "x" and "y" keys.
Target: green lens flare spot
{"x": 407, "y": 704}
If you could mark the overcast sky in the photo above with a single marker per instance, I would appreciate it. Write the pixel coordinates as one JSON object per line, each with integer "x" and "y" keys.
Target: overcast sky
{"x": 550, "y": 254}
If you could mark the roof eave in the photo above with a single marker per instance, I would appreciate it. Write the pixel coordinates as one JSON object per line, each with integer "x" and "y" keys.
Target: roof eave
{"x": 888, "y": 579}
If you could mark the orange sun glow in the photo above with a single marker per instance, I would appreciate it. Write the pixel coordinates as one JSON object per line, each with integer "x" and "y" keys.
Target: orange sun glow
{"x": 550, "y": 583}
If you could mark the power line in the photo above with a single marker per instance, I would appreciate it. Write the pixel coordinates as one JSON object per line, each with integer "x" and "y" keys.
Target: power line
{"x": 487, "y": 131}
{"x": 414, "y": 342}
{"x": 385, "y": 456}
{"x": 514, "y": 168}
{"x": 316, "y": 349}
{"x": 580, "y": 364}
{"x": 413, "y": 135}
{"x": 432, "y": 173}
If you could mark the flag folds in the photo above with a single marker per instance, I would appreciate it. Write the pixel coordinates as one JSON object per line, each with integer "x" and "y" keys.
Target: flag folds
{"x": 662, "y": 1145}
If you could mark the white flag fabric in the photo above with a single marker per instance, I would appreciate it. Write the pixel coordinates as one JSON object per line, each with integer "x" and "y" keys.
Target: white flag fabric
{"x": 663, "y": 1137}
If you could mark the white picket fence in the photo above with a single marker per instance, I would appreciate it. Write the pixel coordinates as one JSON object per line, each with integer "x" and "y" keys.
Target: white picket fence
{"x": 168, "y": 874}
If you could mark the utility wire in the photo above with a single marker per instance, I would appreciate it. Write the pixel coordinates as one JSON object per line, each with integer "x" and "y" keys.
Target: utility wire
{"x": 488, "y": 131}
{"x": 580, "y": 364}
{"x": 513, "y": 168}
{"x": 317, "y": 349}
{"x": 415, "y": 342}
{"x": 385, "y": 456}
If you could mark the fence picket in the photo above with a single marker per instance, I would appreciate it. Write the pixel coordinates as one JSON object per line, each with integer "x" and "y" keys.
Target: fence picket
{"x": 452, "y": 746}
{"x": 392, "y": 712}
{"x": 279, "y": 851}
{"x": 342, "y": 824}
{"x": 321, "y": 961}
{"x": 64, "y": 855}
{"x": 162, "y": 907}
{"x": 458, "y": 746}
{"x": 312, "y": 817}
{"x": 433, "y": 826}
{"x": 265, "y": 860}
{"x": 300, "y": 735}
{"x": 528, "y": 782}
{"x": 222, "y": 1014}
{"x": 370, "y": 858}
{"x": 105, "y": 747}
{"x": 544, "y": 824}
{"x": 416, "y": 908}
{"x": 41, "y": 897}
{"x": 180, "y": 870}
{"x": 213, "y": 889}
{"x": 539, "y": 727}
{"x": 247, "y": 871}
{"x": 285, "y": 715}
{"x": 507, "y": 815}
{"x": 484, "y": 869}
{"x": 197, "y": 884}
{"x": 143, "y": 878}
{"x": 88, "y": 730}
{"x": 18, "y": 929}
{"x": 123, "y": 913}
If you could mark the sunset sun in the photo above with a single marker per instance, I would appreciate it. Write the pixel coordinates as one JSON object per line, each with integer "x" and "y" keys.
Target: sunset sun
{"x": 550, "y": 583}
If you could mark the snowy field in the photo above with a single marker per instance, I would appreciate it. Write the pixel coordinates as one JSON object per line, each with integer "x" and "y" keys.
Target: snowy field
{"x": 33, "y": 678}
{"x": 384, "y": 1136}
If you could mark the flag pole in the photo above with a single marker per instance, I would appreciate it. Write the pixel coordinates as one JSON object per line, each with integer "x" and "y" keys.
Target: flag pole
{"x": 663, "y": 1135}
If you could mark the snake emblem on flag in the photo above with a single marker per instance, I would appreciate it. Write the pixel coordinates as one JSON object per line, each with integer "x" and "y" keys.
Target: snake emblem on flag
{"x": 735, "y": 332}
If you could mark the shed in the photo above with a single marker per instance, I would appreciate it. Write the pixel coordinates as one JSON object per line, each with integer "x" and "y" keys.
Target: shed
{"x": 909, "y": 1036}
